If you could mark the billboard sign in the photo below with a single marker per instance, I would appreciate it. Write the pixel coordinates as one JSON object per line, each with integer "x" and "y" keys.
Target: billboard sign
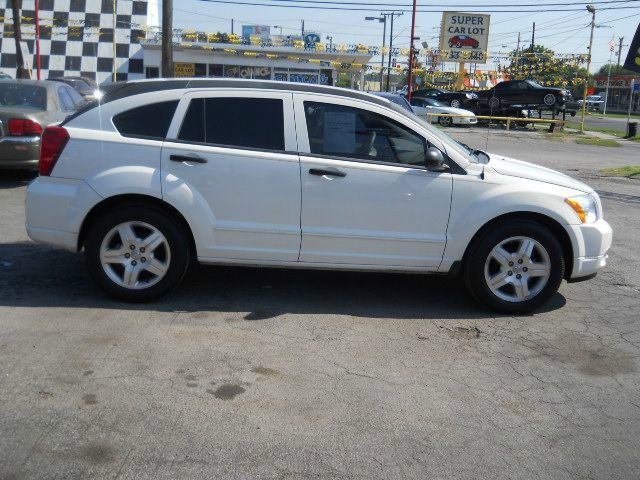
{"x": 464, "y": 37}
{"x": 310, "y": 39}
{"x": 261, "y": 31}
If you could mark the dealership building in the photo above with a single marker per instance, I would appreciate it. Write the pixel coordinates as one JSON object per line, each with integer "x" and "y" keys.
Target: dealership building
{"x": 619, "y": 91}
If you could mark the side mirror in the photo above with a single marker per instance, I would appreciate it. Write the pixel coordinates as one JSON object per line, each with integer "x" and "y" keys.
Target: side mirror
{"x": 434, "y": 160}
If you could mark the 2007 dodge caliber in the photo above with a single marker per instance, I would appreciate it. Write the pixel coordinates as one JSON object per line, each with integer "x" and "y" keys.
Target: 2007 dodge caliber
{"x": 162, "y": 172}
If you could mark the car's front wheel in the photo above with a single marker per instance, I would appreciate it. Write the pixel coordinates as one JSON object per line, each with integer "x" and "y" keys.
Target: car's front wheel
{"x": 136, "y": 253}
{"x": 445, "y": 121}
{"x": 549, "y": 99}
{"x": 455, "y": 103}
{"x": 515, "y": 268}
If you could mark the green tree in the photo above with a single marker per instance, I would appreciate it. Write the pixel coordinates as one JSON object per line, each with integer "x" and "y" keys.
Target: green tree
{"x": 615, "y": 70}
{"x": 544, "y": 66}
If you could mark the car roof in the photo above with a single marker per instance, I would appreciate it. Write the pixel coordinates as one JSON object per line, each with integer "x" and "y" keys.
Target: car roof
{"x": 118, "y": 90}
{"x": 27, "y": 81}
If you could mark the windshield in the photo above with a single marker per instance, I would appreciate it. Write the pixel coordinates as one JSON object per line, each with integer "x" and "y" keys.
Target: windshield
{"x": 78, "y": 84}
{"x": 23, "y": 96}
{"x": 533, "y": 83}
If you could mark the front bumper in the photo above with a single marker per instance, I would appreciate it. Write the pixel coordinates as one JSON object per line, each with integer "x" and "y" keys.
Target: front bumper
{"x": 20, "y": 152}
{"x": 465, "y": 120}
{"x": 593, "y": 242}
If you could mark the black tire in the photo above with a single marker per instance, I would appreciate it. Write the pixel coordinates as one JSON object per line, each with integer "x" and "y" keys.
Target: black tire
{"x": 173, "y": 232}
{"x": 474, "y": 265}
{"x": 494, "y": 102}
{"x": 445, "y": 121}
{"x": 455, "y": 103}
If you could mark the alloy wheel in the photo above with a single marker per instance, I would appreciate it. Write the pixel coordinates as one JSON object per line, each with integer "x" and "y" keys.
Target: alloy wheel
{"x": 517, "y": 269}
{"x": 135, "y": 255}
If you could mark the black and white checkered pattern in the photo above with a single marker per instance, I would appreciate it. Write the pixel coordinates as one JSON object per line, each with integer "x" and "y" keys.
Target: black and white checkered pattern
{"x": 76, "y": 38}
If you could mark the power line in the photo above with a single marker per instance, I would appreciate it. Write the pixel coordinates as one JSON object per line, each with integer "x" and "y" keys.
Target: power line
{"x": 367, "y": 8}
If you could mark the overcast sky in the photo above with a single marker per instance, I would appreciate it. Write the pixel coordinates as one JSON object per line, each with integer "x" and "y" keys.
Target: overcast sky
{"x": 564, "y": 32}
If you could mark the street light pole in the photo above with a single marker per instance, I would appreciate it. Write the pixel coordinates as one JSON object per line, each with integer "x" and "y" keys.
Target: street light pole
{"x": 393, "y": 15}
{"x": 592, "y": 10}
{"x": 382, "y": 19}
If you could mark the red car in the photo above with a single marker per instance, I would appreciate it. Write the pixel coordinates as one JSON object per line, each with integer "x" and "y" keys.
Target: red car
{"x": 460, "y": 41}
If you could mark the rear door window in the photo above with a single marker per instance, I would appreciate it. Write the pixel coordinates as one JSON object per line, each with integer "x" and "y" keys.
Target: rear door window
{"x": 65, "y": 100}
{"x": 253, "y": 123}
{"x": 148, "y": 121}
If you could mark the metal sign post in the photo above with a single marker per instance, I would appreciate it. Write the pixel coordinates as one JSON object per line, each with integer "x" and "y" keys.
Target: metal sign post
{"x": 631, "y": 91}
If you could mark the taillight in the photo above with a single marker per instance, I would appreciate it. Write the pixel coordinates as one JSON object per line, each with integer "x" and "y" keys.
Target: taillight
{"x": 21, "y": 127}
{"x": 54, "y": 139}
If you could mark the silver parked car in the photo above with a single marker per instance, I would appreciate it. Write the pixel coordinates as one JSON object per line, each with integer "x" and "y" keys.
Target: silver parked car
{"x": 27, "y": 107}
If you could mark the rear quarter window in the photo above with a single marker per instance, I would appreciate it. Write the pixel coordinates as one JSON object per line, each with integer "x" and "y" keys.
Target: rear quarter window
{"x": 147, "y": 121}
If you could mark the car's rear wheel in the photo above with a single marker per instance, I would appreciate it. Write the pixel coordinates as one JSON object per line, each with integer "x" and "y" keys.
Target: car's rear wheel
{"x": 455, "y": 103}
{"x": 549, "y": 99}
{"x": 445, "y": 121}
{"x": 515, "y": 268}
{"x": 137, "y": 253}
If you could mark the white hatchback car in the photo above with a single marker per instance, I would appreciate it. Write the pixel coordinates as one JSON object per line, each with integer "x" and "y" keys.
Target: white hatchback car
{"x": 276, "y": 174}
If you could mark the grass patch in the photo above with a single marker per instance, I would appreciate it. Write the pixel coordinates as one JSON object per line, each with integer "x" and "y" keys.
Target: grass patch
{"x": 634, "y": 116}
{"x": 600, "y": 142}
{"x": 622, "y": 171}
{"x": 608, "y": 131}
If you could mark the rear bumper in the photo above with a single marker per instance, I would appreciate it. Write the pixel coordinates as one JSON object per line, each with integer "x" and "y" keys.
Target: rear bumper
{"x": 593, "y": 242}
{"x": 56, "y": 208}
{"x": 20, "y": 152}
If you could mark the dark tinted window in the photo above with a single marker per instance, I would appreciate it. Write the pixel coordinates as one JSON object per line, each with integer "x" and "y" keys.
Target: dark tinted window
{"x": 23, "y": 96}
{"x": 238, "y": 122}
{"x": 151, "y": 120}
{"x": 341, "y": 131}
{"x": 192, "y": 129}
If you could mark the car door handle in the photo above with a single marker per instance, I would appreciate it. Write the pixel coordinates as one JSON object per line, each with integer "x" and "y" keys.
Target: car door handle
{"x": 187, "y": 158}
{"x": 320, "y": 172}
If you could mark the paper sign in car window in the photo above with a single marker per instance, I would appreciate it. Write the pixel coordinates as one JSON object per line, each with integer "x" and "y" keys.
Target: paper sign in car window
{"x": 339, "y": 132}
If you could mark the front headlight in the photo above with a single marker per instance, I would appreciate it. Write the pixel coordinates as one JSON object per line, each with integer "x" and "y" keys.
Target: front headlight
{"x": 468, "y": 95}
{"x": 585, "y": 207}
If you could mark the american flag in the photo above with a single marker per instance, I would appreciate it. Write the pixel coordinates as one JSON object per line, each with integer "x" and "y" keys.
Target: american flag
{"x": 612, "y": 45}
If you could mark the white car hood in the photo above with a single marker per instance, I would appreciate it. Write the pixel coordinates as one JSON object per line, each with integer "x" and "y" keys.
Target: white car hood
{"x": 517, "y": 168}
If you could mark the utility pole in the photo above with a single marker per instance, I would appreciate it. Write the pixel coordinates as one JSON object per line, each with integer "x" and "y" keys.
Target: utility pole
{"x": 302, "y": 29}
{"x": 167, "y": 38}
{"x": 411, "y": 59}
{"x": 517, "y": 59}
{"x": 620, "y": 40}
{"x": 533, "y": 42}
{"x": 232, "y": 26}
{"x": 393, "y": 15}
{"x": 21, "y": 72}
{"x": 115, "y": 29}
{"x": 592, "y": 10}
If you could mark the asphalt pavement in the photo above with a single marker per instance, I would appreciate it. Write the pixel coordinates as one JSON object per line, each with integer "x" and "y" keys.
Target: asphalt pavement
{"x": 276, "y": 374}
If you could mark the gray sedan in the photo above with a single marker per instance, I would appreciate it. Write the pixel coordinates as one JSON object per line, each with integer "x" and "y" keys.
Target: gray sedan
{"x": 27, "y": 107}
